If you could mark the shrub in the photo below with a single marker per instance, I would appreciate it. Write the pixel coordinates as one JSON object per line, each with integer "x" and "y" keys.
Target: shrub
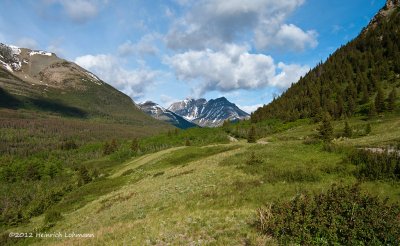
{"x": 51, "y": 217}
{"x": 69, "y": 145}
{"x": 376, "y": 164}
{"x": 343, "y": 215}
{"x": 254, "y": 160}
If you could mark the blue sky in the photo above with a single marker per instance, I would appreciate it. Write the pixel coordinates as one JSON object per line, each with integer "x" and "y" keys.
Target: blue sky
{"x": 167, "y": 50}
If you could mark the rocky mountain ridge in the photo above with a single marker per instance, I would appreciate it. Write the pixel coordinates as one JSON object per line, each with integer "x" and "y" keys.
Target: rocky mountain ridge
{"x": 208, "y": 113}
{"x": 160, "y": 113}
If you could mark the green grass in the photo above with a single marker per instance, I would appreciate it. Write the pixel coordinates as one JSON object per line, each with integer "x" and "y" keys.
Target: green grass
{"x": 209, "y": 193}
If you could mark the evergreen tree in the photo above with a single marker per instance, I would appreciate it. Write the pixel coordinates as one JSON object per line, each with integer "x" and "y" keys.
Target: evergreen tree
{"x": 251, "y": 137}
{"x": 365, "y": 94}
{"x": 106, "y": 149}
{"x": 372, "y": 110}
{"x": 187, "y": 142}
{"x": 325, "y": 129}
{"x": 84, "y": 176}
{"x": 113, "y": 145}
{"x": 348, "y": 132}
{"x": 380, "y": 100}
{"x": 135, "y": 145}
{"x": 368, "y": 129}
{"x": 392, "y": 100}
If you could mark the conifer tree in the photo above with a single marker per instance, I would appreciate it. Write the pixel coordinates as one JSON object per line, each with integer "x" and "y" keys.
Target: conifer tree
{"x": 380, "y": 100}
{"x": 251, "y": 138}
{"x": 325, "y": 129}
{"x": 84, "y": 176}
{"x": 348, "y": 132}
{"x": 372, "y": 110}
{"x": 368, "y": 129}
{"x": 135, "y": 145}
{"x": 392, "y": 100}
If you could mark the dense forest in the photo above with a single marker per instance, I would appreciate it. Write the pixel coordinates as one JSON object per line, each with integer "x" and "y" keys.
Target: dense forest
{"x": 360, "y": 78}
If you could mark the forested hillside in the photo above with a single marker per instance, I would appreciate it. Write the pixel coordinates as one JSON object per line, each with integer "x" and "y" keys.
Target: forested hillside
{"x": 361, "y": 77}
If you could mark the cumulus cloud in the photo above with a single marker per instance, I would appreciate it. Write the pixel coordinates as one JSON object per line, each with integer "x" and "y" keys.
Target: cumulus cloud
{"x": 145, "y": 46}
{"x": 232, "y": 68}
{"x": 27, "y": 43}
{"x": 250, "y": 109}
{"x": 79, "y": 10}
{"x": 289, "y": 37}
{"x": 109, "y": 68}
{"x": 213, "y": 23}
{"x": 167, "y": 100}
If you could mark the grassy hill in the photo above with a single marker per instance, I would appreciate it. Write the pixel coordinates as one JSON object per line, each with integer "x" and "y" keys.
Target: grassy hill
{"x": 210, "y": 194}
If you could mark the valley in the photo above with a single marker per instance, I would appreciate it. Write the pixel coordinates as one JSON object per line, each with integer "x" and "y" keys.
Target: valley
{"x": 209, "y": 194}
{"x": 318, "y": 163}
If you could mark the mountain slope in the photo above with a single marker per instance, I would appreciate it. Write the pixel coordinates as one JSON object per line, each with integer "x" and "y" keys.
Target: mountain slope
{"x": 160, "y": 113}
{"x": 209, "y": 114}
{"x": 357, "y": 79}
{"x": 42, "y": 81}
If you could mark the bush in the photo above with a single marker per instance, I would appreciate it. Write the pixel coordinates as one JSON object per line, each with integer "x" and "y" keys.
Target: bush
{"x": 376, "y": 164}
{"x": 69, "y": 145}
{"x": 254, "y": 160}
{"x": 52, "y": 216}
{"x": 343, "y": 215}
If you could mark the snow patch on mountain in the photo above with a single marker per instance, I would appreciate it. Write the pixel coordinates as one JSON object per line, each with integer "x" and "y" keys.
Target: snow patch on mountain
{"x": 160, "y": 113}
{"x": 208, "y": 113}
{"x": 39, "y": 52}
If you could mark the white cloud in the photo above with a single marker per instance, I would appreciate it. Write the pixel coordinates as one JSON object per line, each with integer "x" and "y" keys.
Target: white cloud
{"x": 213, "y": 23}
{"x": 232, "y": 68}
{"x": 55, "y": 46}
{"x": 289, "y": 37}
{"x": 27, "y": 43}
{"x": 109, "y": 68}
{"x": 250, "y": 109}
{"x": 79, "y": 10}
{"x": 145, "y": 46}
{"x": 167, "y": 100}
{"x": 288, "y": 74}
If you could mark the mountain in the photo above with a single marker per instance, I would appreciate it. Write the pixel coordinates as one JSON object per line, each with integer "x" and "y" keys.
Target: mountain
{"x": 160, "y": 113}
{"x": 41, "y": 81}
{"x": 360, "y": 78}
{"x": 208, "y": 113}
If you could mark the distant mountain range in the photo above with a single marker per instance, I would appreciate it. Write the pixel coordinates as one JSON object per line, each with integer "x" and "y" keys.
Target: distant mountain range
{"x": 160, "y": 113}
{"x": 41, "y": 81}
{"x": 208, "y": 113}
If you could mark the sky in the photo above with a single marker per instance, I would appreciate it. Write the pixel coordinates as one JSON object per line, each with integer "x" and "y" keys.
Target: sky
{"x": 168, "y": 50}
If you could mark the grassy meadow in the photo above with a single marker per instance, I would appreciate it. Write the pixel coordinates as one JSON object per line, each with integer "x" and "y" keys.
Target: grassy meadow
{"x": 195, "y": 187}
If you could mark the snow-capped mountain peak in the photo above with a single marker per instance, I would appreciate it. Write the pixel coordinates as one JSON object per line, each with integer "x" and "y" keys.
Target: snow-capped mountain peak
{"x": 160, "y": 113}
{"x": 208, "y": 113}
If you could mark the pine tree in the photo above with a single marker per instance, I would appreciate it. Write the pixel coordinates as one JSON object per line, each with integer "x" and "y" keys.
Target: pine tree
{"x": 380, "y": 100}
{"x": 365, "y": 94}
{"x": 251, "y": 138}
{"x": 348, "y": 132}
{"x": 392, "y": 100}
{"x": 113, "y": 145}
{"x": 325, "y": 129}
{"x": 368, "y": 129}
{"x": 106, "y": 149}
{"x": 372, "y": 110}
{"x": 135, "y": 145}
{"x": 84, "y": 176}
